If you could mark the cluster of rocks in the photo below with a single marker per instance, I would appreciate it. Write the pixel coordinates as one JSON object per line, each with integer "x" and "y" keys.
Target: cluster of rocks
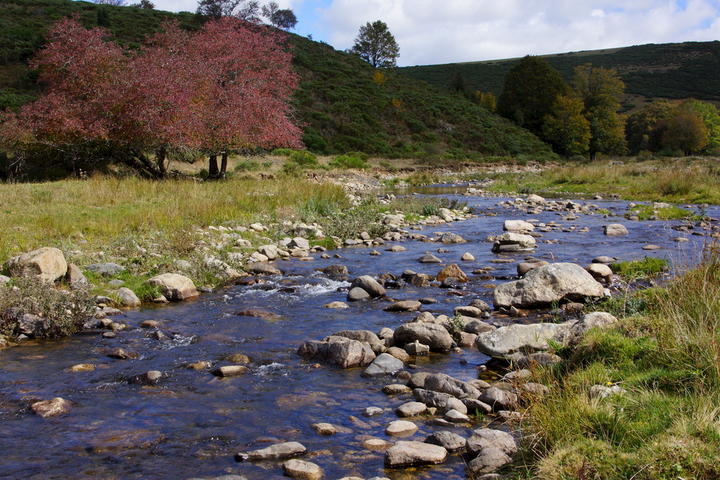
{"x": 534, "y": 204}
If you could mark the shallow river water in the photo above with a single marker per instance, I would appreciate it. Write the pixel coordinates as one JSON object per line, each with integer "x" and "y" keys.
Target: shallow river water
{"x": 191, "y": 424}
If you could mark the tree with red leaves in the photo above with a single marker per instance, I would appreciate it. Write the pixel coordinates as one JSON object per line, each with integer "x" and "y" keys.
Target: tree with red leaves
{"x": 223, "y": 88}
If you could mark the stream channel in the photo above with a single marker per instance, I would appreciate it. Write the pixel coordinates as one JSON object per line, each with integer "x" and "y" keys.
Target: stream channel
{"x": 191, "y": 424}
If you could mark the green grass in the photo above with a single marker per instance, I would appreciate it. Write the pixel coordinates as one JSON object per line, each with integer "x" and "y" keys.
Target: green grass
{"x": 667, "y": 424}
{"x": 636, "y": 269}
{"x": 647, "y": 212}
{"x": 689, "y": 180}
{"x": 341, "y": 104}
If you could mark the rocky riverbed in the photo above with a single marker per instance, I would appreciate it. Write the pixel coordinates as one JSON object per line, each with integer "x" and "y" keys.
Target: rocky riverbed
{"x": 245, "y": 381}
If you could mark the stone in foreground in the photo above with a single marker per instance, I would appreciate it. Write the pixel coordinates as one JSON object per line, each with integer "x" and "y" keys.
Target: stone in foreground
{"x": 48, "y": 264}
{"x": 408, "y": 454}
{"x": 545, "y": 285}
{"x": 51, "y": 408}
{"x": 174, "y": 287}
{"x": 518, "y": 337}
{"x": 302, "y": 470}
{"x": 278, "y": 451}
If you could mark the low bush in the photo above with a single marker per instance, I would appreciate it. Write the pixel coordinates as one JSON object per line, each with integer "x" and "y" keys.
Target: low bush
{"x": 350, "y": 160}
{"x": 637, "y": 269}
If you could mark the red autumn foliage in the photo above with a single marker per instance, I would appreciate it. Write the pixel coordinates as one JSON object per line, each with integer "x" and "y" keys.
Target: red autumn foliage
{"x": 223, "y": 88}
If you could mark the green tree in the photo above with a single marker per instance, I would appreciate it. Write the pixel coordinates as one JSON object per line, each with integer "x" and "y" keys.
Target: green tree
{"x": 376, "y": 45}
{"x": 711, "y": 117}
{"x": 279, "y": 17}
{"x": 566, "y": 128}
{"x": 643, "y": 130}
{"x": 529, "y": 94}
{"x": 685, "y": 131}
{"x": 457, "y": 83}
{"x": 600, "y": 90}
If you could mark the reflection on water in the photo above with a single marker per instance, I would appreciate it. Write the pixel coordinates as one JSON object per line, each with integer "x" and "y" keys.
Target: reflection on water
{"x": 192, "y": 423}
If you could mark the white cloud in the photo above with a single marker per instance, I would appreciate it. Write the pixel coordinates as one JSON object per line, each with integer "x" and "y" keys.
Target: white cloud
{"x": 465, "y": 30}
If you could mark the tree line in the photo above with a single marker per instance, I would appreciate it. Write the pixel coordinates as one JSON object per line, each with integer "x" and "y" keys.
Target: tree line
{"x": 583, "y": 117}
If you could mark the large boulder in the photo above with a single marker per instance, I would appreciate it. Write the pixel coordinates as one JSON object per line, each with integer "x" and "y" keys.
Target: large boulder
{"x": 340, "y": 351}
{"x": 520, "y": 338}
{"x": 545, "y": 285}
{"x": 431, "y": 334}
{"x": 439, "y": 382}
{"x": 615, "y": 230}
{"x": 370, "y": 285}
{"x": 364, "y": 336}
{"x": 407, "y": 454}
{"x": 518, "y": 226}
{"x": 513, "y": 242}
{"x": 384, "y": 364}
{"x": 174, "y": 287}
{"x": 493, "y": 449}
{"x": 47, "y": 264}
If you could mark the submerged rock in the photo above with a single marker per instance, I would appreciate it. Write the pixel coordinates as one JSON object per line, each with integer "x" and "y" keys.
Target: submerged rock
{"x": 51, "y": 408}
{"x": 273, "y": 452}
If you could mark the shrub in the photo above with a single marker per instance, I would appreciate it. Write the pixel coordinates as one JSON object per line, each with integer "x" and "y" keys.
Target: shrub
{"x": 303, "y": 158}
{"x": 349, "y": 160}
{"x": 247, "y": 166}
{"x": 58, "y": 313}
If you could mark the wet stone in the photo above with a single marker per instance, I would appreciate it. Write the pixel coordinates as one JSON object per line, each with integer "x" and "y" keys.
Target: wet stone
{"x": 51, "y": 408}
{"x": 302, "y": 470}
{"x": 324, "y": 428}
{"x": 397, "y": 389}
{"x": 278, "y": 451}
{"x": 411, "y": 409}
{"x": 450, "y": 441}
{"x": 230, "y": 371}
{"x": 401, "y": 428}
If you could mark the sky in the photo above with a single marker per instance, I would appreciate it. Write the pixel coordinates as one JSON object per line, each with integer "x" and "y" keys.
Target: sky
{"x": 448, "y": 31}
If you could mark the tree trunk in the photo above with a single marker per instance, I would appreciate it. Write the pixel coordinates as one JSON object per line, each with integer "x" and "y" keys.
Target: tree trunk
{"x": 223, "y": 164}
{"x": 213, "y": 171}
{"x": 160, "y": 157}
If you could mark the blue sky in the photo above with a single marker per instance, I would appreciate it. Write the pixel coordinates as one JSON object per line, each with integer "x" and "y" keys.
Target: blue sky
{"x": 430, "y": 31}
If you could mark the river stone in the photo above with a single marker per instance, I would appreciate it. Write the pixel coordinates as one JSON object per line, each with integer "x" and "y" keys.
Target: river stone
{"x": 452, "y": 271}
{"x": 384, "y": 364}
{"x": 456, "y": 417}
{"x": 513, "y": 242}
{"x": 442, "y": 401}
{"x": 548, "y": 284}
{"x": 599, "y": 271}
{"x": 401, "y": 428}
{"x": 488, "y": 460}
{"x": 411, "y": 409}
{"x": 336, "y": 305}
{"x": 467, "y": 257}
{"x": 340, "y": 351}
{"x": 477, "y": 327}
{"x": 128, "y": 298}
{"x": 261, "y": 268}
{"x": 396, "y": 248}
{"x": 533, "y": 198}
{"x": 450, "y": 238}
{"x": 519, "y": 337}
{"x": 365, "y": 336}
{"x": 518, "y": 226}
{"x": 440, "y": 382}
{"x": 51, "y": 408}
{"x": 601, "y": 320}
{"x": 433, "y": 335}
{"x": 417, "y": 349}
{"x": 47, "y": 264}
{"x": 499, "y": 399}
{"x": 376, "y": 444}
{"x": 174, "y": 287}
{"x": 356, "y": 294}
{"x": 108, "y": 269}
{"x": 396, "y": 389}
{"x": 404, "y": 306}
{"x": 399, "y": 353}
{"x": 604, "y": 259}
{"x": 474, "y": 405}
{"x": 407, "y": 454}
{"x": 278, "y": 451}
{"x": 429, "y": 258}
{"x": 302, "y": 470}
{"x": 615, "y": 229}
{"x": 231, "y": 370}
{"x": 82, "y": 367}
{"x": 370, "y": 285}
{"x": 469, "y": 311}
{"x": 74, "y": 276}
{"x": 524, "y": 267}
{"x": 483, "y": 438}
{"x": 448, "y": 440}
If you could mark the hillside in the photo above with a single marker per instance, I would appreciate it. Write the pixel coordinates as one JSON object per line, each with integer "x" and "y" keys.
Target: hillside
{"x": 676, "y": 70}
{"x": 342, "y": 104}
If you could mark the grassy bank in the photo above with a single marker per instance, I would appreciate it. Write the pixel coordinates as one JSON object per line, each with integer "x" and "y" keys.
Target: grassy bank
{"x": 687, "y": 180}
{"x": 148, "y": 226}
{"x": 666, "y": 424}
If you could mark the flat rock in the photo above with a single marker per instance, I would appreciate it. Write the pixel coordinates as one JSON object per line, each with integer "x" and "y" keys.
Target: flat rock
{"x": 261, "y": 268}
{"x": 278, "y": 451}
{"x": 450, "y": 441}
{"x": 407, "y": 454}
{"x": 520, "y": 337}
{"x": 518, "y": 226}
{"x": 337, "y": 305}
{"x": 384, "y": 364}
{"x": 404, "y": 306}
{"x": 231, "y": 371}
{"x": 401, "y": 428}
{"x": 411, "y": 409}
{"x": 302, "y": 470}
{"x": 429, "y": 258}
{"x": 397, "y": 389}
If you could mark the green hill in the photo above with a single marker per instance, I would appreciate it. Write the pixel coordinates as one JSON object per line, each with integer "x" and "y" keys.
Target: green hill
{"x": 342, "y": 104}
{"x": 674, "y": 70}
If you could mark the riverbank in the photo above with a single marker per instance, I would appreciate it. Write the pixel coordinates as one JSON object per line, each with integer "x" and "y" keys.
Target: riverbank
{"x": 638, "y": 400}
